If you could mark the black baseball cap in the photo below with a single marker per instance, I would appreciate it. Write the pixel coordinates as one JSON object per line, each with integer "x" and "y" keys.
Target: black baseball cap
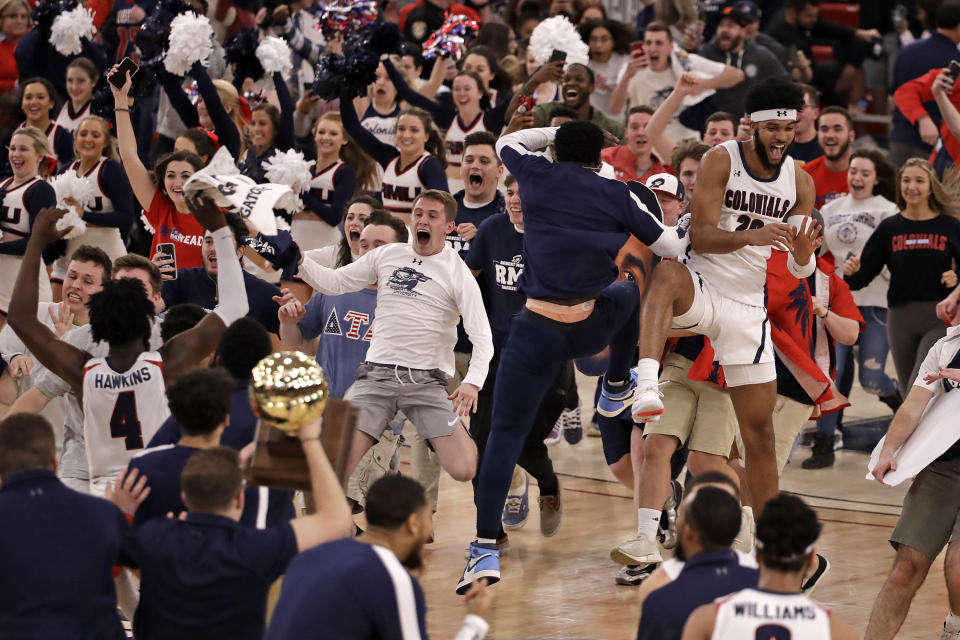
{"x": 743, "y": 11}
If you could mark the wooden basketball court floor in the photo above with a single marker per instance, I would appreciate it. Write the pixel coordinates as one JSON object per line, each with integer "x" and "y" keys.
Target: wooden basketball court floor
{"x": 563, "y": 587}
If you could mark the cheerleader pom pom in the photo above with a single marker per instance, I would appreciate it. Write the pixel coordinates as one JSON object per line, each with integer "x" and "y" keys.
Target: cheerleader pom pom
{"x": 72, "y": 219}
{"x": 45, "y": 14}
{"x": 69, "y": 27}
{"x": 343, "y": 17}
{"x": 452, "y": 39}
{"x": 289, "y": 168}
{"x": 274, "y": 56}
{"x": 152, "y": 37}
{"x": 330, "y": 77}
{"x": 558, "y": 33}
{"x": 69, "y": 186}
{"x": 241, "y": 51}
{"x": 383, "y": 37}
{"x": 190, "y": 41}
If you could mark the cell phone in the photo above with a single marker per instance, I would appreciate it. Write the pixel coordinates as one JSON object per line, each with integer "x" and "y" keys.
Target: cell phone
{"x": 636, "y": 47}
{"x": 169, "y": 249}
{"x": 119, "y": 78}
{"x": 558, "y": 56}
{"x": 954, "y": 69}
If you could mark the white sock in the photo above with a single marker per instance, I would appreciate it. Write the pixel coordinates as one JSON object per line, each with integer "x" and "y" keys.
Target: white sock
{"x": 648, "y": 370}
{"x": 952, "y": 622}
{"x": 648, "y": 520}
{"x": 486, "y": 541}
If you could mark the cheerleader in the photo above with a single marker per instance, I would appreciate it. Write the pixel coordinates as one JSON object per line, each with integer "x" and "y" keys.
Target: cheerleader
{"x": 38, "y": 100}
{"x": 82, "y": 77}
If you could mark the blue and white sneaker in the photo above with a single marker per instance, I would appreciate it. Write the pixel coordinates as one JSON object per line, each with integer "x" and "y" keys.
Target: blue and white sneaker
{"x": 613, "y": 403}
{"x": 517, "y": 507}
{"x": 484, "y": 562}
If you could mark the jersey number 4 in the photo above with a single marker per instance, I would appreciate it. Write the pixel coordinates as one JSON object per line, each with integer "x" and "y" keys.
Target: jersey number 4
{"x": 746, "y": 222}
{"x": 124, "y": 422}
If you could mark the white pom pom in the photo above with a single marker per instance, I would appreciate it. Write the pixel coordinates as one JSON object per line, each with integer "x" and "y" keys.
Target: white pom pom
{"x": 72, "y": 219}
{"x": 274, "y": 55}
{"x": 190, "y": 41}
{"x": 70, "y": 186}
{"x": 289, "y": 168}
{"x": 69, "y": 27}
{"x": 558, "y": 33}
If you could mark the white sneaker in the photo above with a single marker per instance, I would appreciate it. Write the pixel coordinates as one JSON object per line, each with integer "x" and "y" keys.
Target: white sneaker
{"x": 951, "y": 631}
{"x": 636, "y": 550}
{"x": 647, "y": 402}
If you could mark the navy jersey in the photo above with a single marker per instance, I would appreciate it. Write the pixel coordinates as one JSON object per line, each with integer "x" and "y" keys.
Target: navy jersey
{"x": 238, "y": 434}
{"x": 163, "y": 465}
{"x": 345, "y": 326}
{"x": 59, "y": 549}
{"x": 473, "y": 215}
{"x": 128, "y": 22}
{"x": 350, "y": 590}
{"x": 207, "y": 577}
{"x": 497, "y": 251}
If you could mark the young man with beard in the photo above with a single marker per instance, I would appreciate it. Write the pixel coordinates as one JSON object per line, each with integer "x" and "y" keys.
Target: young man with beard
{"x": 576, "y": 85}
{"x": 806, "y": 146}
{"x": 829, "y": 171}
{"x": 366, "y": 587}
{"x": 634, "y": 160}
{"x": 423, "y": 289}
{"x": 731, "y": 46}
{"x": 750, "y": 198}
{"x": 575, "y": 223}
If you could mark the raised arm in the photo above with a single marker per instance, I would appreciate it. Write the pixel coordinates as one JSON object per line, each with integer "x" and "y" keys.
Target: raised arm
{"x": 173, "y": 87}
{"x": 140, "y": 181}
{"x": 353, "y": 277}
{"x": 942, "y": 89}
{"x": 520, "y": 146}
{"x": 910, "y": 98}
{"x": 705, "y": 236}
{"x": 222, "y": 123}
{"x": 60, "y": 357}
{"x": 188, "y": 348}
{"x": 382, "y": 153}
{"x": 656, "y": 127}
{"x": 441, "y": 115}
{"x": 727, "y": 78}
{"x": 285, "y": 138}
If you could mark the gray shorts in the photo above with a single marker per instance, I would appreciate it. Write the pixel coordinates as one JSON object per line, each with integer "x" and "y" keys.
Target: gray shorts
{"x": 381, "y": 390}
{"x": 930, "y": 509}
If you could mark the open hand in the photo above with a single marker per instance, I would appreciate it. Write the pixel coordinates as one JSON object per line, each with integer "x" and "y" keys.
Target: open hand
{"x": 291, "y": 312}
{"x": 127, "y": 491}
{"x": 44, "y": 227}
{"x": 943, "y": 374}
{"x": 62, "y": 319}
{"x": 806, "y": 240}
{"x": 465, "y": 399}
{"x": 777, "y": 235}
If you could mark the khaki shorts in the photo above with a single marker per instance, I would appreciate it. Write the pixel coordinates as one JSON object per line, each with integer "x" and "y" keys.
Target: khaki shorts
{"x": 698, "y": 413}
{"x": 930, "y": 509}
{"x": 789, "y": 417}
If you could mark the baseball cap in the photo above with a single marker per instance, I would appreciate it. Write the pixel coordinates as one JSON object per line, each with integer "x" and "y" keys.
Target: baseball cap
{"x": 743, "y": 11}
{"x": 666, "y": 183}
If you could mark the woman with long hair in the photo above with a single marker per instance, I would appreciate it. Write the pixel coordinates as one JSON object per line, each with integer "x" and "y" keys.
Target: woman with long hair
{"x": 416, "y": 164}
{"x": 270, "y": 130}
{"x": 848, "y": 222}
{"x": 496, "y": 81}
{"x": 22, "y": 196}
{"x": 347, "y": 249}
{"x": 919, "y": 247}
{"x": 498, "y": 37}
{"x": 609, "y": 43}
{"x": 82, "y": 77}
{"x": 39, "y": 101}
{"x": 161, "y": 193}
{"x": 111, "y": 213}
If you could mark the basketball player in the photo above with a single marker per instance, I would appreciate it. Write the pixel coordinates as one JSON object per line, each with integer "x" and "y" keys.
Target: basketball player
{"x": 750, "y": 197}
{"x": 575, "y": 222}
{"x": 125, "y": 389}
{"x": 786, "y": 533}
{"x": 422, "y": 289}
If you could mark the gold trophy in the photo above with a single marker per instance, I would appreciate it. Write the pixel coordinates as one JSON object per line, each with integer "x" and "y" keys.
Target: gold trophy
{"x": 288, "y": 391}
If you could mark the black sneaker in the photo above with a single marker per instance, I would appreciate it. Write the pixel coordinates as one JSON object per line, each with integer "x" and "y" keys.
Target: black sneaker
{"x": 823, "y": 566}
{"x": 632, "y": 575}
{"x": 893, "y": 401}
{"x": 823, "y": 455}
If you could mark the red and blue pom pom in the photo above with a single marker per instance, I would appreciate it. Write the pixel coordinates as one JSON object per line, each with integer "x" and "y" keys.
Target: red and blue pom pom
{"x": 452, "y": 39}
{"x": 343, "y": 17}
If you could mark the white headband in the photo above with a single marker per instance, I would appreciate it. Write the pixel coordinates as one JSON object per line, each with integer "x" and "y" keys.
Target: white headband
{"x": 773, "y": 114}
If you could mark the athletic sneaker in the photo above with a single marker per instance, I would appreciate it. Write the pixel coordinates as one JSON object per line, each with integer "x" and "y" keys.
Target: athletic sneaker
{"x": 636, "y": 550}
{"x": 593, "y": 430}
{"x": 951, "y": 630}
{"x": 632, "y": 575}
{"x": 517, "y": 507}
{"x": 503, "y": 546}
{"x": 551, "y": 512}
{"x": 823, "y": 566}
{"x": 667, "y": 531}
{"x": 556, "y": 433}
{"x": 572, "y": 427}
{"x": 484, "y": 562}
{"x": 612, "y": 403}
{"x": 647, "y": 403}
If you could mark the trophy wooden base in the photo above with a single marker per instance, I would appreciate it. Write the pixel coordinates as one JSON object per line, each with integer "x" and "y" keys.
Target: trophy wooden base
{"x": 278, "y": 460}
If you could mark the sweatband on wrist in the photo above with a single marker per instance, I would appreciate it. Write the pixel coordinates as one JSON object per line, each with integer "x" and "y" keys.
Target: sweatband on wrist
{"x": 804, "y": 271}
{"x": 773, "y": 114}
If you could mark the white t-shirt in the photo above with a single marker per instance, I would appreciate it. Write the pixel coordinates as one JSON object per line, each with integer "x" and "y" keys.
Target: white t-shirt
{"x": 847, "y": 224}
{"x": 651, "y": 88}
{"x": 605, "y": 81}
{"x": 420, "y": 300}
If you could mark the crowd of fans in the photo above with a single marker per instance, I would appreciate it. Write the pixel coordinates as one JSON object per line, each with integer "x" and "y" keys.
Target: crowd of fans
{"x": 411, "y": 169}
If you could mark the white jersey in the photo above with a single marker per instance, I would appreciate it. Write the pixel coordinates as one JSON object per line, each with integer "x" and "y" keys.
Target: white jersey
{"x": 69, "y": 119}
{"x": 764, "y": 615}
{"x": 382, "y": 125}
{"x": 15, "y": 208}
{"x": 748, "y": 203}
{"x": 457, "y": 134}
{"x": 101, "y": 202}
{"x": 401, "y": 186}
{"x": 121, "y": 412}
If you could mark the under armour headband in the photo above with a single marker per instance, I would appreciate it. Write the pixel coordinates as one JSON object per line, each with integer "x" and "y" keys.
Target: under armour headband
{"x": 773, "y": 114}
